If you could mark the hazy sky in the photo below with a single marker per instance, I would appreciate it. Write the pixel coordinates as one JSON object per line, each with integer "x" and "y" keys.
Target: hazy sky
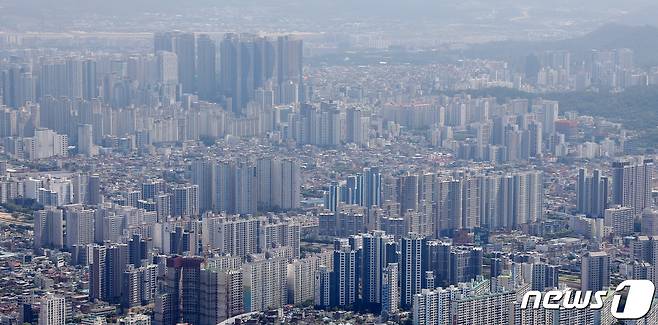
{"x": 521, "y": 16}
{"x": 364, "y": 8}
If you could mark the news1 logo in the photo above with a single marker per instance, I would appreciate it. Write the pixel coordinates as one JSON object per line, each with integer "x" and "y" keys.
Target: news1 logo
{"x": 634, "y": 305}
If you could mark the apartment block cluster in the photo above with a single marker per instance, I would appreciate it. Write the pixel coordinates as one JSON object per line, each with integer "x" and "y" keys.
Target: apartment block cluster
{"x": 601, "y": 68}
{"x": 615, "y": 204}
{"x": 432, "y": 204}
{"x": 516, "y": 131}
{"x": 51, "y": 105}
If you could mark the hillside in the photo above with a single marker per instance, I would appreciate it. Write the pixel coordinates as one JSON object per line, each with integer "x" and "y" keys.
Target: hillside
{"x": 636, "y": 108}
{"x": 643, "y": 40}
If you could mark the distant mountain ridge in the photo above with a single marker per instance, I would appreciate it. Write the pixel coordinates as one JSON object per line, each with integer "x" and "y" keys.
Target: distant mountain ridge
{"x": 643, "y": 40}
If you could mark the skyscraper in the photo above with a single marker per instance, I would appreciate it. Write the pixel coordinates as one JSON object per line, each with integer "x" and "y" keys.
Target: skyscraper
{"x": 94, "y": 195}
{"x": 89, "y": 80}
{"x": 544, "y": 276}
{"x": 278, "y": 182}
{"x": 186, "y": 201}
{"x": 550, "y": 112}
{"x": 632, "y": 182}
{"x": 332, "y": 197}
{"x": 411, "y": 268}
{"x": 137, "y": 250}
{"x": 224, "y": 195}
{"x": 301, "y": 278}
{"x": 73, "y": 78}
{"x": 471, "y": 198}
{"x": 465, "y": 264}
{"x": 235, "y": 236}
{"x": 526, "y": 197}
{"x": 437, "y": 260}
{"x": 132, "y": 281}
{"x": 79, "y": 227}
{"x": 290, "y": 185}
{"x": 203, "y": 176}
{"x": 184, "y": 46}
{"x": 48, "y": 228}
{"x": 595, "y": 271}
{"x": 163, "y": 41}
{"x": 621, "y": 220}
{"x": 245, "y": 191}
{"x": 115, "y": 265}
{"x": 86, "y": 141}
{"x": 45, "y": 144}
{"x": 97, "y": 273}
{"x": 373, "y": 184}
{"x": 592, "y": 193}
{"x": 167, "y": 68}
{"x": 344, "y": 278}
{"x": 53, "y": 310}
{"x": 448, "y": 211}
{"x": 17, "y": 85}
{"x": 355, "y": 189}
{"x": 390, "y": 290}
{"x": 431, "y": 307}
{"x": 649, "y": 222}
{"x": 374, "y": 262}
{"x": 408, "y": 194}
{"x": 241, "y": 69}
{"x": 179, "y": 301}
{"x": 8, "y": 125}
{"x": 323, "y": 289}
{"x": 289, "y": 58}
{"x": 356, "y": 130}
{"x": 220, "y": 295}
{"x": 206, "y": 69}
{"x": 264, "y": 284}
{"x": 248, "y": 61}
